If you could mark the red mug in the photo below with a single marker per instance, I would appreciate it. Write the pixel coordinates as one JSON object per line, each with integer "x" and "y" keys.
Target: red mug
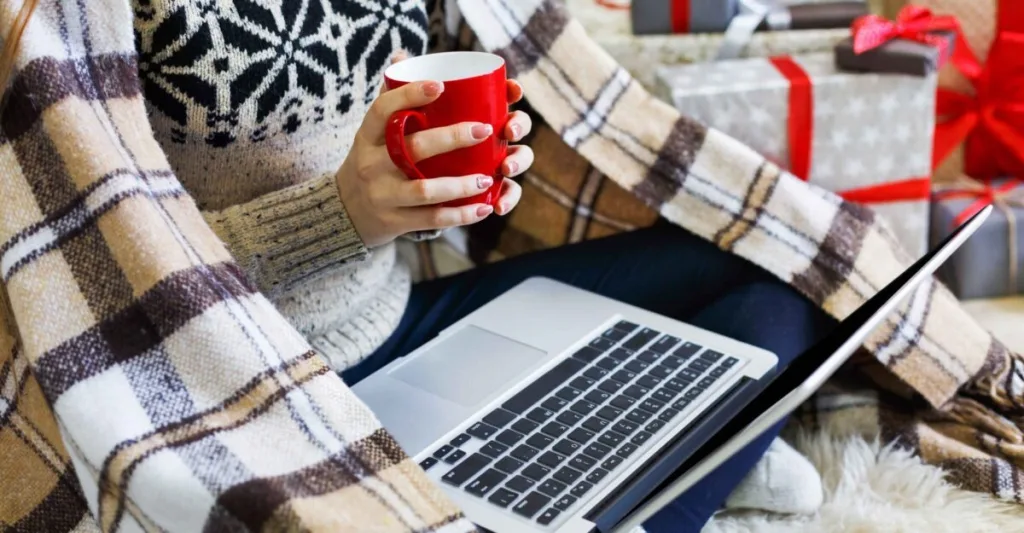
{"x": 474, "y": 91}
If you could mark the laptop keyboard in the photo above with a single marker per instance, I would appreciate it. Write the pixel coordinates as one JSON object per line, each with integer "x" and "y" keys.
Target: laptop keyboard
{"x": 561, "y": 435}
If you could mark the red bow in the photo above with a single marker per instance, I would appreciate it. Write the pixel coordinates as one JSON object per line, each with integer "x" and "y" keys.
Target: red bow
{"x": 915, "y": 23}
{"x": 991, "y": 122}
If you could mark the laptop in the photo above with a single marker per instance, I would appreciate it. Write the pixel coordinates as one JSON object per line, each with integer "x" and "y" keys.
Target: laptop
{"x": 552, "y": 409}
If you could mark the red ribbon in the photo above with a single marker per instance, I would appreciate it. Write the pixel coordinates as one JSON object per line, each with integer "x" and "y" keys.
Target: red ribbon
{"x": 895, "y": 191}
{"x": 983, "y": 194}
{"x": 680, "y": 16}
{"x": 991, "y": 122}
{"x": 1010, "y": 16}
{"x": 914, "y": 23}
{"x": 801, "y": 115}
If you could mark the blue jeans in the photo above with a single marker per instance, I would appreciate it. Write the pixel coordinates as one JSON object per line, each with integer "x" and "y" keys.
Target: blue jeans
{"x": 663, "y": 269}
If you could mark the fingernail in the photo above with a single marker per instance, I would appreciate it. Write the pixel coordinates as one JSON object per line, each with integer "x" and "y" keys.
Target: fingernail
{"x": 431, "y": 88}
{"x": 484, "y": 182}
{"x": 517, "y": 130}
{"x": 484, "y": 210}
{"x": 513, "y": 167}
{"x": 504, "y": 207}
{"x": 482, "y": 131}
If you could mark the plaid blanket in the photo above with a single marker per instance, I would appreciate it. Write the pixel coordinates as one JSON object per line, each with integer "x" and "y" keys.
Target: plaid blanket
{"x": 146, "y": 385}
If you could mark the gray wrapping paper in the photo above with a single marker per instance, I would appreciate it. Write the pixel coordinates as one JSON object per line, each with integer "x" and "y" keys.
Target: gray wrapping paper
{"x": 868, "y": 129}
{"x": 979, "y": 269}
{"x": 655, "y": 16}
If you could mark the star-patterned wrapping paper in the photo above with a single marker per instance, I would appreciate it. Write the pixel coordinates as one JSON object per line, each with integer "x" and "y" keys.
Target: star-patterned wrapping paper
{"x": 868, "y": 129}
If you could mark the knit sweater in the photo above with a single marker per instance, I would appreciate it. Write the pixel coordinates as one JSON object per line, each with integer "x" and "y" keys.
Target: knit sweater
{"x": 256, "y": 107}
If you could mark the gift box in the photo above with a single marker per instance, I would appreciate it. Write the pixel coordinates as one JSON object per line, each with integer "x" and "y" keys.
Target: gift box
{"x": 712, "y": 16}
{"x": 865, "y": 136}
{"x": 897, "y": 57}
{"x": 915, "y": 42}
{"x": 641, "y": 55}
{"x": 989, "y": 263}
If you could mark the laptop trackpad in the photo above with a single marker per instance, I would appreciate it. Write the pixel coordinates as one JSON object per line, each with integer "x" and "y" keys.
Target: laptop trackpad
{"x": 468, "y": 366}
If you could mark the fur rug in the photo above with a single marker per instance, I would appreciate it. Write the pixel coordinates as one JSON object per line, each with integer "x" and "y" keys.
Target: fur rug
{"x": 870, "y": 488}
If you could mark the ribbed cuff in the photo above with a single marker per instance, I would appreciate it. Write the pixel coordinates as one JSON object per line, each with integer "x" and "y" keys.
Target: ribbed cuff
{"x": 290, "y": 236}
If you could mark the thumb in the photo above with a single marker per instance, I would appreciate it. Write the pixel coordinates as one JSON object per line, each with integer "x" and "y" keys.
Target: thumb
{"x": 400, "y": 55}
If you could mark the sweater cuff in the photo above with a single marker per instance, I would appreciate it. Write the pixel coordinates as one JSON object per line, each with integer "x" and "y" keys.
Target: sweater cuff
{"x": 290, "y": 236}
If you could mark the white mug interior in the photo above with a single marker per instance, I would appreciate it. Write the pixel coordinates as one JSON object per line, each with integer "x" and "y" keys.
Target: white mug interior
{"x": 446, "y": 66}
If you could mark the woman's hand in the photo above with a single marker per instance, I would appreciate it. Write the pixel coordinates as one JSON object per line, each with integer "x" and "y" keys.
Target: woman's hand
{"x": 384, "y": 204}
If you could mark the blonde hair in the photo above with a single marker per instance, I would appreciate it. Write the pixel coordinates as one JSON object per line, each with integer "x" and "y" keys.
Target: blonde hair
{"x": 13, "y": 41}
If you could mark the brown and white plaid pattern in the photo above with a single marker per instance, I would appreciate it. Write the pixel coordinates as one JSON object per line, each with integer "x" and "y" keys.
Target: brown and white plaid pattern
{"x": 144, "y": 383}
{"x": 610, "y": 157}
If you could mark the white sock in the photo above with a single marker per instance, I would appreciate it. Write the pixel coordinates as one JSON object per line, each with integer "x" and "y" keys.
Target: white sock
{"x": 783, "y": 481}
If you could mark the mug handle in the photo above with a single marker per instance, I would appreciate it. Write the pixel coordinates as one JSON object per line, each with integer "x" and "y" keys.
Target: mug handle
{"x": 394, "y": 138}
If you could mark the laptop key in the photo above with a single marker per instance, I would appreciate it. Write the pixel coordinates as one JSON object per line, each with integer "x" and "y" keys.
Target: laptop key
{"x": 672, "y": 361}
{"x": 640, "y": 339}
{"x": 582, "y": 462}
{"x": 595, "y": 424}
{"x": 536, "y": 472}
{"x": 548, "y": 516}
{"x": 583, "y": 407}
{"x": 729, "y": 362}
{"x": 552, "y": 487}
{"x": 625, "y": 427}
{"x": 551, "y": 459}
{"x": 667, "y": 415}
{"x": 664, "y": 344}
{"x": 608, "y": 363}
{"x": 652, "y": 405}
{"x": 581, "y": 435}
{"x": 554, "y": 403}
{"x": 427, "y": 463}
{"x": 610, "y": 386}
{"x": 654, "y": 426}
{"x": 595, "y": 373}
{"x": 567, "y": 475}
{"x": 566, "y": 447}
{"x": 602, "y": 344}
{"x": 540, "y": 415}
{"x": 621, "y": 355}
{"x": 539, "y": 441}
{"x": 482, "y": 431}
{"x": 614, "y": 335}
{"x": 636, "y": 392}
{"x": 508, "y": 437}
{"x": 466, "y": 469}
{"x": 626, "y": 326}
{"x": 689, "y": 374}
{"x": 711, "y": 356}
{"x": 661, "y": 371}
{"x": 637, "y": 366}
{"x": 587, "y": 354}
{"x": 707, "y": 382}
{"x": 611, "y": 438}
{"x": 532, "y": 393}
{"x": 524, "y": 453}
{"x": 597, "y": 396}
{"x": 664, "y": 394}
{"x": 638, "y": 416}
{"x": 569, "y": 418}
{"x": 611, "y": 462}
{"x": 460, "y": 440}
{"x": 531, "y": 504}
{"x": 597, "y": 450}
{"x": 675, "y": 384}
{"x": 626, "y": 450}
{"x": 622, "y": 402}
{"x": 565, "y": 502}
{"x": 508, "y": 464}
{"x": 554, "y": 429}
{"x": 520, "y": 484}
{"x": 686, "y": 350}
{"x": 681, "y": 404}
{"x": 609, "y": 413}
{"x": 443, "y": 451}
{"x": 649, "y": 357}
{"x": 503, "y": 497}
{"x": 568, "y": 394}
{"x": 699, "y": 364}
{"x": 486, "y": 482}
{"x": 718, "y": 371}
{"x": 500, "y": 418}
{"x": 493, "y": 449}
{"x": 525, "y": 426}
{"x": 597, "y": 475}
{"x": 624, "y": 376}
{"x": 582, "y": 383}
{"x": 693, "y": 393}
{"x": 454, "y": 457}
{"x": 581, "y": 488}
{"x": 640, "y": 438}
